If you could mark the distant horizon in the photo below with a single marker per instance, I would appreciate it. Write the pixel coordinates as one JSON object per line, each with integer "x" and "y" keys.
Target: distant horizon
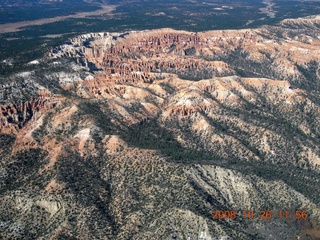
{"x": 50, "y": 24}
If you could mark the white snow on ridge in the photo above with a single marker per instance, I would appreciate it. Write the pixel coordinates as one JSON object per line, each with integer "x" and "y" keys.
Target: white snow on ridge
{"x": 34, "y": 62}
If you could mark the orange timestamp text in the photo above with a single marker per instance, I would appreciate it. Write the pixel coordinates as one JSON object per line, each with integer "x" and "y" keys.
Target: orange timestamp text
{"x": 261, "y": 214}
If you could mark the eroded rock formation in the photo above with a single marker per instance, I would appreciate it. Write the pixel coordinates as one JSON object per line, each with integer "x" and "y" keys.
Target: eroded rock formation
{"x": 159, "y": 128}
{"x": 15, "y": 116}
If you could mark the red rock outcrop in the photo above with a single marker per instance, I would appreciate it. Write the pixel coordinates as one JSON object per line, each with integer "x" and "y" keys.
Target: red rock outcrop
{"x": 143, "y": 57}
{"x": 15, "y": 116}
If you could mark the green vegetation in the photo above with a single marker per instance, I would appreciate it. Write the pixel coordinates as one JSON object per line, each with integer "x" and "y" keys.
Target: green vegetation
{"x": 18, "y": 11}
{"x": 128, "y": 193}
{"x": 31, "y": 43}
{"x": 22, "y": 167}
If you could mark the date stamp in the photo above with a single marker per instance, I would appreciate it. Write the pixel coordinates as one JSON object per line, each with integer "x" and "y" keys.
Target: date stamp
{"x": 260, "y": 214}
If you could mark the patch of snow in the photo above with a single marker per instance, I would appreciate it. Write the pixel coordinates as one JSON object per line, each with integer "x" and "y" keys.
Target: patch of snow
{"x": 89, "y": 77}
{"x": 8, "y": 62}
{"x": 84, "y": 134}
{"x": 34, "y": 62}
{"x": 288, "y": 90}
{"x": 24, "y": 74}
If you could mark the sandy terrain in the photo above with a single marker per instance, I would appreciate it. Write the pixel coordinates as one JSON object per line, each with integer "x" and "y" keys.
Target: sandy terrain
{"x": 15, "y": 27}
